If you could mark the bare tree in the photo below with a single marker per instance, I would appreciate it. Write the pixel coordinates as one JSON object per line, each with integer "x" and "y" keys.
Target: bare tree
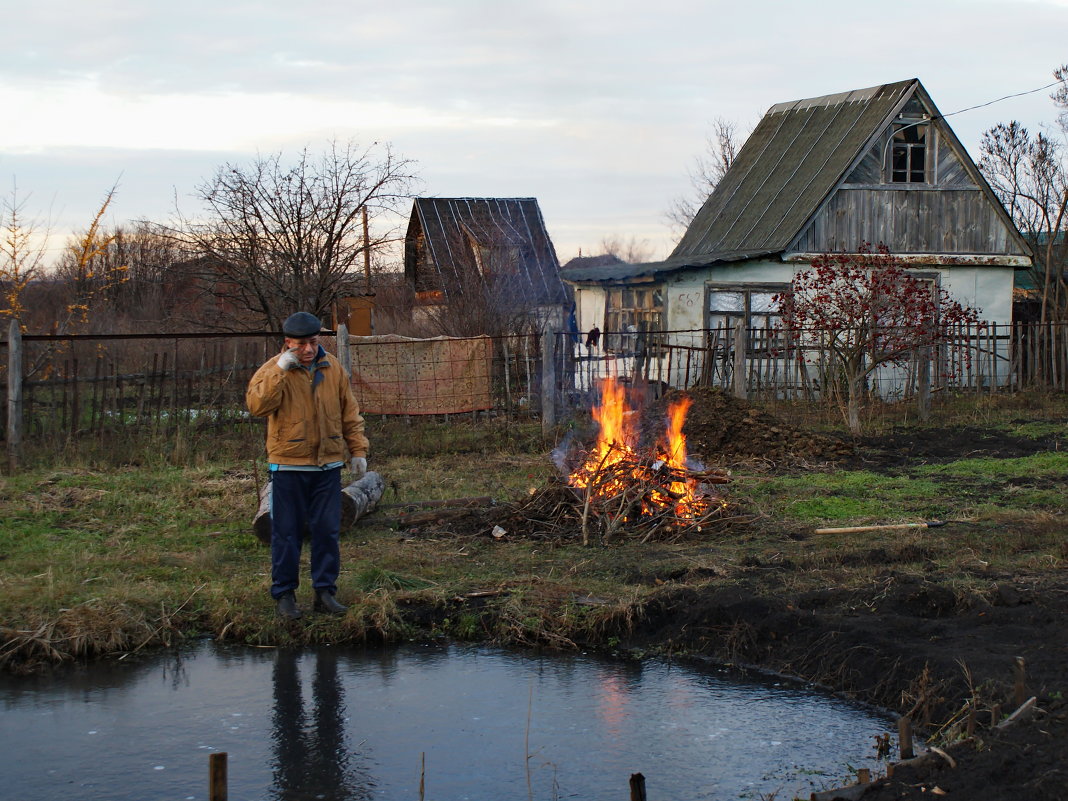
{"x": 1029, "y": 174}
{"x": 278, "y": 238}
{"x": 709, "y": 167}
{"x": 22, "y": 248}
{"x": 153, "y": 291}
{"x": 494, "y": 298}
{"x": 632, "y": 250}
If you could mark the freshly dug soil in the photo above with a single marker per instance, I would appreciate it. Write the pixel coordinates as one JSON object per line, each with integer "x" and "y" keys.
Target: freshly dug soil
{"x": 722, "y": 429}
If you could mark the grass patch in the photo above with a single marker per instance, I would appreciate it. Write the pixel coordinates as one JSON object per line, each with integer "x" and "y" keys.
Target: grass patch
{"x": 101, "y": 556}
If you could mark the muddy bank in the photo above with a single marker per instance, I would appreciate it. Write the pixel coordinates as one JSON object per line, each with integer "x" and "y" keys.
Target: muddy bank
{"x": 910, "y": 645}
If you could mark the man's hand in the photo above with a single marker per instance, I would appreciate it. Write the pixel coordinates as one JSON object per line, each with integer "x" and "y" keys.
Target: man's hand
{"x": 358, "y": 465}
{"x": 288, "y": 360}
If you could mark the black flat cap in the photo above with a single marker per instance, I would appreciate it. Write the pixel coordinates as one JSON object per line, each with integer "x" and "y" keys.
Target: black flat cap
{"x": 301, "y": 325}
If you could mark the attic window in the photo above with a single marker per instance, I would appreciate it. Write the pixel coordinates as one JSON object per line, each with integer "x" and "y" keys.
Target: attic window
{"x": 908, "y": 152}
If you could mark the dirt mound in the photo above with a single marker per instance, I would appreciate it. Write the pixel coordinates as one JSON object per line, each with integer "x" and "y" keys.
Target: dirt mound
{"x": 723, "y": 429}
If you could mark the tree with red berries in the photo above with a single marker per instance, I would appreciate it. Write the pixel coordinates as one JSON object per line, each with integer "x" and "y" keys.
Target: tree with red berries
{"x": 854, "y": 312}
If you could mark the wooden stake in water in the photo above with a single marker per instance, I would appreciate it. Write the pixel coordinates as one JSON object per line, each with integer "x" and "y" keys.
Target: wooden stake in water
{"x": 904, "y": 735}
{"x": 637, "y": 787}
{"x": 217, "y": 776}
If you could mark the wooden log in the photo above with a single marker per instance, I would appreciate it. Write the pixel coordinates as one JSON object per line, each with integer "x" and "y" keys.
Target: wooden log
{"x": 360, "y": 497}
{"x": 357, "y": 500}
{"x": 261, "y": 523}
{"x": 881, "y": 527}
{"x": 930, "y": 756}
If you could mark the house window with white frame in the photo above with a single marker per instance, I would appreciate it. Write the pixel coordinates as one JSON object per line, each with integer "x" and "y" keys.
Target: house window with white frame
{"x": 754, "y": 306}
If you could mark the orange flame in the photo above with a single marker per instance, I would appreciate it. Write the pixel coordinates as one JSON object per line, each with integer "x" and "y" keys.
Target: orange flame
{"x": 604, "y": 476}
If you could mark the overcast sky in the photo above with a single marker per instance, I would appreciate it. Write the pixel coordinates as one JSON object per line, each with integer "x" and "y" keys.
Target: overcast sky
{"x": 595, "y": 108}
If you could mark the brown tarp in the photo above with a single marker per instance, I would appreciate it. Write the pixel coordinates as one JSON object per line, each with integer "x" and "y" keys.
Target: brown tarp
{"x": 398, "y": 375}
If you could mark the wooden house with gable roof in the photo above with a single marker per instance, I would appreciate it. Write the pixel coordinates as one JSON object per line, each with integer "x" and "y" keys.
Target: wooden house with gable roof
{"x": 461, "y": 252}
{"x": 877, "y": 165}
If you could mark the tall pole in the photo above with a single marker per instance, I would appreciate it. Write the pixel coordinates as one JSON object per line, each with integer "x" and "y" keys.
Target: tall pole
{"x": 366, "y": 255}
{"x": 14, "y": 395}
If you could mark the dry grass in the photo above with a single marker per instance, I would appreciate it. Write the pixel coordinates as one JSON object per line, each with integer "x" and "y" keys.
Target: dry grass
{"x": 105, "y": 558}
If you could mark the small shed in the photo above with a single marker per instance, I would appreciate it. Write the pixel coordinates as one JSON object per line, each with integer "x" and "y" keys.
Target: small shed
{"x": 497, "y": 251}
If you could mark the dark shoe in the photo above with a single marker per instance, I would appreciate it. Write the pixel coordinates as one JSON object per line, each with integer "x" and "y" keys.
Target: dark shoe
{"x": 325, "y": 602}
{"x": 287, "y": 607}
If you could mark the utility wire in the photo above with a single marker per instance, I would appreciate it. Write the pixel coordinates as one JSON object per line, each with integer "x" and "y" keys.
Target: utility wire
{"x": 1006, "y": 97}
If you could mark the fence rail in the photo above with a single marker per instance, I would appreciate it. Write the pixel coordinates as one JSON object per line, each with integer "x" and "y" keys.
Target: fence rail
{"x": 91, "y": 385}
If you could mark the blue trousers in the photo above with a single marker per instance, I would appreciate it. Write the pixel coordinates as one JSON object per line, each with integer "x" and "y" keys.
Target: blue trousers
{"x": 302, "y": 498}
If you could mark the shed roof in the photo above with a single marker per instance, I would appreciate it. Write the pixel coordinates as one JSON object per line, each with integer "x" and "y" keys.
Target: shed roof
{"x": 451, "y": 225}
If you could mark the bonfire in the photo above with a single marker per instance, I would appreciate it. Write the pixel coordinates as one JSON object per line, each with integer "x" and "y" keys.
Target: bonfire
{"x": 651, "y": 490}
{"x": 616, "y": 488}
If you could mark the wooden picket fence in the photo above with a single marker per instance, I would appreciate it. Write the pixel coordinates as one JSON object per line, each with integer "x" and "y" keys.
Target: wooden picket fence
{"x": 76, "y": 386}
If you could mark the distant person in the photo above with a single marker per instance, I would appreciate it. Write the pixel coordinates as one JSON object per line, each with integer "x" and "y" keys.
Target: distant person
{"x": 313, "y": 422}
{"x": 593, "y": 337}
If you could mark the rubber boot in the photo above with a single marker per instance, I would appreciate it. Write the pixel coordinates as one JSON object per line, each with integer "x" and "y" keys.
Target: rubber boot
{"x": 325, "y": 602}
{"x": 287, "y": 607}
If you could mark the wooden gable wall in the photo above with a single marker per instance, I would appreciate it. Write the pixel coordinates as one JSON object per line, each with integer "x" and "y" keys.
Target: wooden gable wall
{"x": 954, "y": 214}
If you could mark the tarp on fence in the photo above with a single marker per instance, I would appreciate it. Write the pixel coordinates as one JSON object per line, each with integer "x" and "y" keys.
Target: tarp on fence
{"x": 399, "y": 375}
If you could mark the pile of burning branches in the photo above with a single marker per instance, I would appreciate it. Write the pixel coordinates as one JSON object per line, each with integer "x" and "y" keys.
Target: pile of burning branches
{"x": 614, "y": 490}
{"x": 654, "y": 493}
{"x": 648, "y": 498}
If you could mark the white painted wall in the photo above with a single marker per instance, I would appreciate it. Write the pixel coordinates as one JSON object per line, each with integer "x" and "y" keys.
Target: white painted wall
{"x": 986, "y": 288}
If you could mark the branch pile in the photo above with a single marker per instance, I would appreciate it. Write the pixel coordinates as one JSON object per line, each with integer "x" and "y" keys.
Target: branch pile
{"x": 561, "y": 513}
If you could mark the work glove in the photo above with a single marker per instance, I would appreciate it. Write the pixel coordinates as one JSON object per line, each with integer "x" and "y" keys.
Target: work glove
{"x": 358, "y": 465}
{"x": 288, "y": 360}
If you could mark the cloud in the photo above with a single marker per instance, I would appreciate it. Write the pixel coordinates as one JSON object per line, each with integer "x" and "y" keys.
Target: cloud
{"x": 597, "y": 108}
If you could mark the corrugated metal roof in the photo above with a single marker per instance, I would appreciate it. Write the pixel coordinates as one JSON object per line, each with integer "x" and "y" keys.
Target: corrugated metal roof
{"x": 793, "y": 159}
{"x": 451, "y": 225}
{"x": 615, "y": 272}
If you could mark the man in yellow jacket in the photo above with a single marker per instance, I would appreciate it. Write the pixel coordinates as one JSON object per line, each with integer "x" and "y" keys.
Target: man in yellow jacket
{"x": 313, "y": 424}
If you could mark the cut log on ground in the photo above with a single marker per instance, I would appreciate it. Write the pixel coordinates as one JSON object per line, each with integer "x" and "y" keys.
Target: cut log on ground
{"x": 360, "y": 497}
{"x": 357, "y": 499}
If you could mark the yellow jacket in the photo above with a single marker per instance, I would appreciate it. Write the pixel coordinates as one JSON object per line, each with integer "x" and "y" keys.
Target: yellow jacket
{"x": 312, "y": 417}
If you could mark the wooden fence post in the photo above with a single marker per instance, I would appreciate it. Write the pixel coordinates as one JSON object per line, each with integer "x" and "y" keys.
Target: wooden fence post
{"x": 741, "y": 368}
{"x": 14, "y": 395}
{"x": 923, "y": 383}
{"x": 217, "y": 778}
{"x": 548, "y": 383}
{"x": 344, "y": 353}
